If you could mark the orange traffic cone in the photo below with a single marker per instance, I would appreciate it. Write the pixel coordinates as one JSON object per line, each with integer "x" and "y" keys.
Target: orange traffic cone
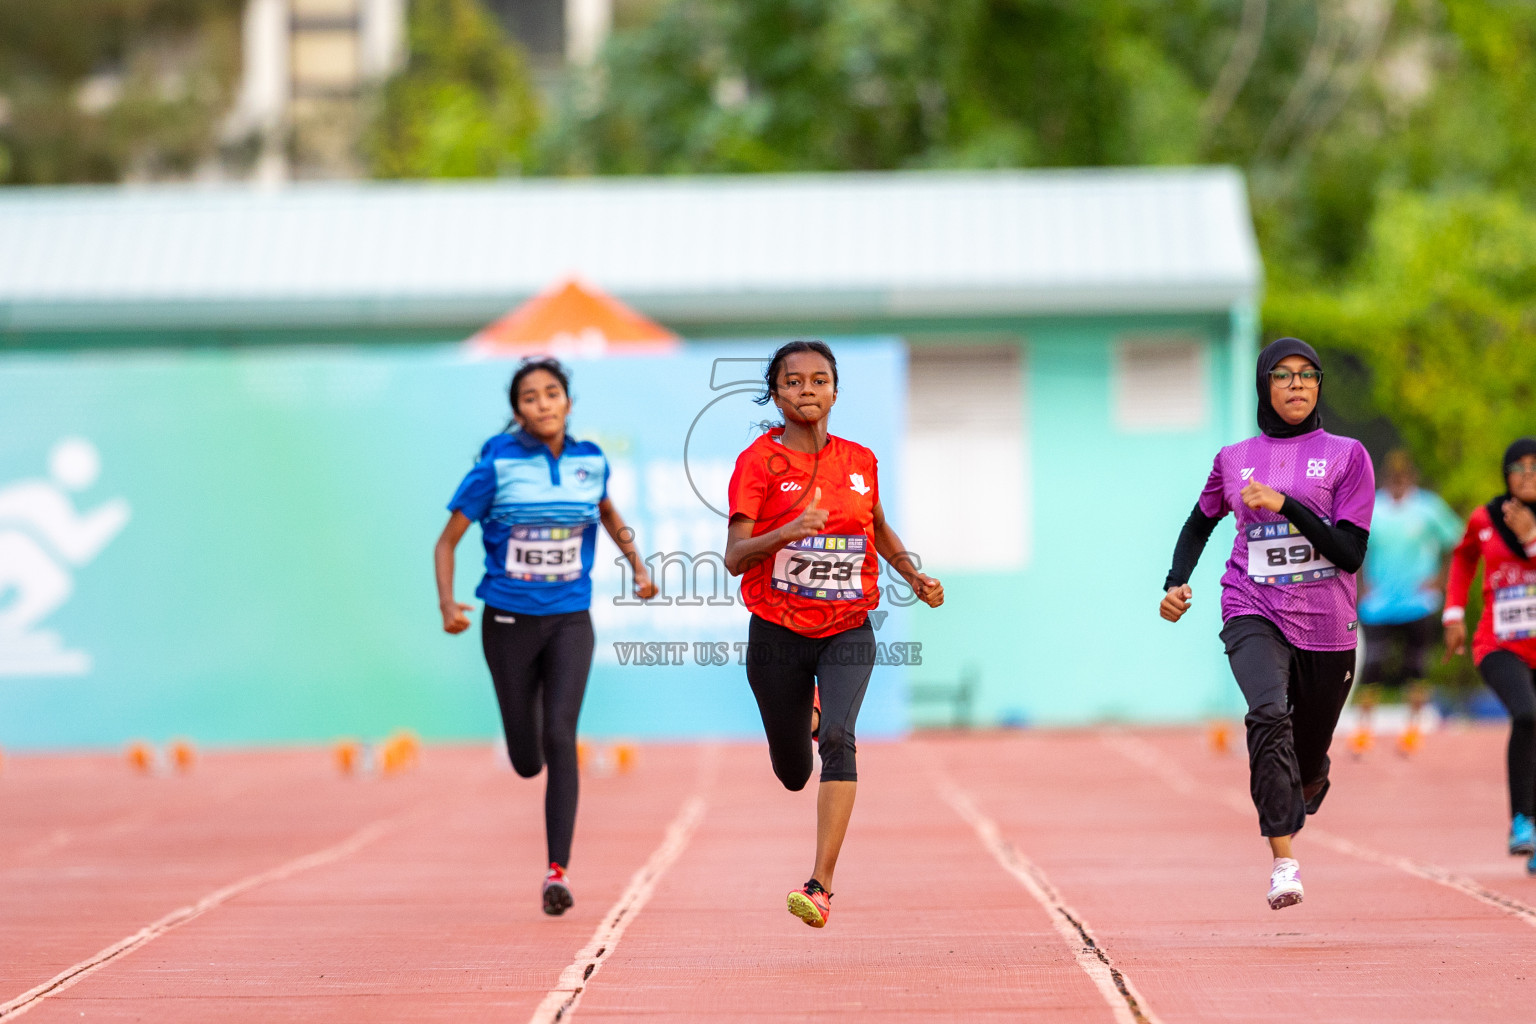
{"x": 142, "y": 757}
{"x": 1219, "y": 736}
{"x": 1361, "y": 741}
{"x": 183, "y": 755}
{"x": 348, "y": 755}
{"x": 624, "y": 757}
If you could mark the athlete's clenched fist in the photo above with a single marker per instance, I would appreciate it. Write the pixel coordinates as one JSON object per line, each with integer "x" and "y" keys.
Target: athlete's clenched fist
{"x": 1176, "y": 603}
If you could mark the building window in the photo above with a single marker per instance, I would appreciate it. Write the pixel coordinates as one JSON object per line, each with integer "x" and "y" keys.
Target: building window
{"x": 966, "y": 503}
{"x": 1160, "y": 383}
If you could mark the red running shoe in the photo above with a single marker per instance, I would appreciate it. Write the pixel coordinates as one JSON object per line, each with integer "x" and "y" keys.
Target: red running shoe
{"x": 557, "y": 891}
{"x": 811, "y": 904}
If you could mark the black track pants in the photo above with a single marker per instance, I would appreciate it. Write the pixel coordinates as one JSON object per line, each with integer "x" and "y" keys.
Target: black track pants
{"x": 785, "y": 670}
{"x": 1415, "y": 639}
{"x": 1294, "y": 699}
{"x": 539, "y": 665}
{"x": 1515, "y": 683}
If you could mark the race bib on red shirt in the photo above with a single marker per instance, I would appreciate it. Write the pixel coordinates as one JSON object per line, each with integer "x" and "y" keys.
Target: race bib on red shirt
{"x": 822, "y": 568}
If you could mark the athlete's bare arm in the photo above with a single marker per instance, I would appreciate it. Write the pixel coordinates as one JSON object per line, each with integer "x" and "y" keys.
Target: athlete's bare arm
{"x": 928, "y": 590}
{"x": 624, "y": 537}
{"x": 455, "y": 615}
{"x": 742, "y": 550}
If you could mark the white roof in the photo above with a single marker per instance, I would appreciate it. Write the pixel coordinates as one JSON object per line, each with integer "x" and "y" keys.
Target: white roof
{"x": 911, "y": 244}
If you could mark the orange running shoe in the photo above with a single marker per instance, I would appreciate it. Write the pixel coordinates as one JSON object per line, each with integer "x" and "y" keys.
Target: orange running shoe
{"x": 557, "y": 891}
{"x": 811, "y": 904}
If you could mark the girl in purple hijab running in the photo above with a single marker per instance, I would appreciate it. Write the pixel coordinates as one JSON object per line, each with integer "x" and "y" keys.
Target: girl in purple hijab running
{"x": 1303, "y": 500}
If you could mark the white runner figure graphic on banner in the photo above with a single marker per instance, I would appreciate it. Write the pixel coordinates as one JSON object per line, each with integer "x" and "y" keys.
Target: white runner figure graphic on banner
{"x": 43, "y": 536}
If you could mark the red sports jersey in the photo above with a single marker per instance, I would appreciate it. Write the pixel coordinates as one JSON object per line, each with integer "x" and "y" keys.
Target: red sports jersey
{"x": 1509, "y": 591}
{"x": 818, "y": 585}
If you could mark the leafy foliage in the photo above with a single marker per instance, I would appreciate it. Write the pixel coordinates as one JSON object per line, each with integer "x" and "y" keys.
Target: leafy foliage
{"x": 1388, "y": 147}
{"x": 463, "y": 106}
{"x": 1442, "y": 306}
{"x": 102, "y": 90}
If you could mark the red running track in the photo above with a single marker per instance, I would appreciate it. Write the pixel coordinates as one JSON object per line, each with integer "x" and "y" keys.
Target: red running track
{"x": 1042, "y": 876}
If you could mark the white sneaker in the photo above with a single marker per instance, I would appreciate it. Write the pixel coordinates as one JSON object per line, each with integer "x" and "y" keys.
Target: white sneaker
{"x": 1284, "y": 883}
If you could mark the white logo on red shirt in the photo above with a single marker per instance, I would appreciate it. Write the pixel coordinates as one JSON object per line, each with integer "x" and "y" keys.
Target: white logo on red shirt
{"x": 1317, "y": 467}
{"x": 857, "y": 483}
{"x": 790, "y": 485}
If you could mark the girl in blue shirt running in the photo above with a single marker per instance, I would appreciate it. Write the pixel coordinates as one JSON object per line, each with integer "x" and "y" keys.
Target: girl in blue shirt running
{"x": 538, "y": 495}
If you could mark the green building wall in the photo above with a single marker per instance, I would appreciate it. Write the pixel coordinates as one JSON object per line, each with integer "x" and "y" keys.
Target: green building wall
{"x": 1075, "y": 636}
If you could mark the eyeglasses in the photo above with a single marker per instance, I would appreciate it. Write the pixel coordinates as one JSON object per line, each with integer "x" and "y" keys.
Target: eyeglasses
{"x": 1309, "y": 378}
{"x": 1520, "y": 469}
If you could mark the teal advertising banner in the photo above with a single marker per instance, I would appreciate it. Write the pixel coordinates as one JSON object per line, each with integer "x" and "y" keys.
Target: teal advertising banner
{"x": 236, "y": 546}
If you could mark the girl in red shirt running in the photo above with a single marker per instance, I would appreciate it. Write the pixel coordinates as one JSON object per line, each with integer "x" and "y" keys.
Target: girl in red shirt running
{"x": 1502, "y": 534}
{"x": 805, "y": 525}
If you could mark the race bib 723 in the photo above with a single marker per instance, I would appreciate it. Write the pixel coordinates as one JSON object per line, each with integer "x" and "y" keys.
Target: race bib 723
{"x": 824, "y": 567}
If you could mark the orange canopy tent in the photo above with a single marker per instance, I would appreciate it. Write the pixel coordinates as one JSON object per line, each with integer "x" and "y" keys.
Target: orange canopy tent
{"x": 573, "y": 318}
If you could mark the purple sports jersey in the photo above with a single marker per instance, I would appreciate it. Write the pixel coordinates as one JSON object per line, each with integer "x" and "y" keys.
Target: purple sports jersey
{"x": 1274, "y": 571}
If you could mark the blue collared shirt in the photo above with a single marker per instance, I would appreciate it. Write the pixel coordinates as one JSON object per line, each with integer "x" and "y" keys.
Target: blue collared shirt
{"x": 538, "y": 517}
{"x": 1402, "y": 564}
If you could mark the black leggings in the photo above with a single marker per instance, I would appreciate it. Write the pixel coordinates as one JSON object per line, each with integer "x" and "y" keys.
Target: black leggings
{"x": 1294, "y": 699}
{"x": 1515, "y": 683}
{"x": 539, "y": 664}
{"x": 785, "y": 670}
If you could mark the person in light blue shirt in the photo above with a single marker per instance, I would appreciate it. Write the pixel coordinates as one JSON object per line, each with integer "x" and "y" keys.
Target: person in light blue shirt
{"x": 1411, "y": 531}
{"x": 538, "y": 495}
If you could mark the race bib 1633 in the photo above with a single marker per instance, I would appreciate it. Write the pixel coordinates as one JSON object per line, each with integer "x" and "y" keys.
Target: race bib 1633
{"x": 545, "y": 554}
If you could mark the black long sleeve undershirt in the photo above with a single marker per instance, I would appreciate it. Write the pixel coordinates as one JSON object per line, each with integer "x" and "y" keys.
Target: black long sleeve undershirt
{"x": 1186, "y": 553}
{"x": 1343, "y": 544}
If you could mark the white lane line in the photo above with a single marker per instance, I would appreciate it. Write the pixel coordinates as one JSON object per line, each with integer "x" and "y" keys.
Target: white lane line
{"x": 560, "y": 1003}
{"x": 60, "y": 838}
{"x": 1127, "y": 1005}
{"x": 1145, "y": 754}
{"x": 176, "y": 918}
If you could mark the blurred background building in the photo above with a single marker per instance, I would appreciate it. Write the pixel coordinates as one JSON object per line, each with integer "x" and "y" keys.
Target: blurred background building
{"x": 1037, "y": 226}
{"x": 309, "y": 69}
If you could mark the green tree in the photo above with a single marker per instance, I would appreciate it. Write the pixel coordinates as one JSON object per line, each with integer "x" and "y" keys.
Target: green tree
{"x": 100, "y": 90}
{"x": 1443, "y": 310}
{"x": 1388, "y": 147}
{"x": 772, "y": 85}
{"x": 462, "y": 107}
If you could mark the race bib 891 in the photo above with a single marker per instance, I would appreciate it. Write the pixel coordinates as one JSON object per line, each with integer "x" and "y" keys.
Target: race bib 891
{"x": 824, "y": 567}
{"x": 545, "y": 554}
{"x": 1278, "y": 555}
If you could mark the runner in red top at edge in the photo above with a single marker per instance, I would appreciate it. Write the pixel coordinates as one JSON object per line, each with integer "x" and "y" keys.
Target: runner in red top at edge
{"x": 805, "y": 526}
{"x": 1502, "y": 535}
